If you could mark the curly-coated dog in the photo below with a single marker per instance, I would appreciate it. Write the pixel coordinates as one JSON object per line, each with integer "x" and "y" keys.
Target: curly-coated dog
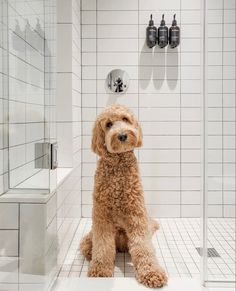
{"x": 119, "y": 220}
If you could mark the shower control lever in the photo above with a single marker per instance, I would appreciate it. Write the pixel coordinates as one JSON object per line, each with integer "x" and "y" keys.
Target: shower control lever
{"x": 117, "y": 81}
{"x": 119, "y": 85}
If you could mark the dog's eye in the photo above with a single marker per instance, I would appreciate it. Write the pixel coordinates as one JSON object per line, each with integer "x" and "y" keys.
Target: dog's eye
{"x": 125, "y": 119}
{"x": 109, "y": 124}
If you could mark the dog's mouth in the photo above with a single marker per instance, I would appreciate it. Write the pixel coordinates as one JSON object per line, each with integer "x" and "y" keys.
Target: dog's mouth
{"x": 120, "y": 142}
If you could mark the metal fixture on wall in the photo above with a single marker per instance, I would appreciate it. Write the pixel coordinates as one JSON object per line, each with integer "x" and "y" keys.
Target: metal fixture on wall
{"x": 46, "y": 155}
{"x": 118, "y": 81}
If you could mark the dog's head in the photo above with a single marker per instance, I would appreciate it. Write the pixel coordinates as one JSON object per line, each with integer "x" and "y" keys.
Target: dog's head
{"x": 116, "y": 130}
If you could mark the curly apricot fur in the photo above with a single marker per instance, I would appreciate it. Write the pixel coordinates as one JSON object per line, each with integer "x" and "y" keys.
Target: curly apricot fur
{"x": 119, "y": 219}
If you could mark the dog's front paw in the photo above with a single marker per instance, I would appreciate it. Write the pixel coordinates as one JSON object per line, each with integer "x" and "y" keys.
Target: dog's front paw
{"x": 99, "y": 270}
{"x": 153, "y": 278}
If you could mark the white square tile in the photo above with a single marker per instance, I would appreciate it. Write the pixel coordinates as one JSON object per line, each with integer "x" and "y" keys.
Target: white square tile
{"x": 121, "y": 5}
{"x": 117, "y": 17}
{"x": 9, "y": 242}
{"x": 16, "y": 134}
{"x": 191, "y": 4}
{"x": 64, "y": 48}
{"x": 89, "y": 5}
{"x": 117, "y": 58}
{"x": 164, "y": 210}
{"x": 117, "y": 45}
{"x": 88, "y": 17}
{"x": 190, "y": 210}
{"x": 8, "y": 216}
{"x": 63, "y": 101}
{"x": 129, "y": 31}
{"x": 162, "y": 5}
{"x": 88, "y": 31}
{"x": 64, "y": 11}
{"x": 65, "y": 149}
{"x": 190, "y": 197}
{"x": 89, "y": 59}
{"x": 16, "y": 112}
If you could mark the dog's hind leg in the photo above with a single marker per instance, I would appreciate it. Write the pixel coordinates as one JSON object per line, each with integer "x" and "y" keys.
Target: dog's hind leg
{"x": 86, "y": 246}
{"x": 122, "y": 239}
{"x": 104, "y": 248}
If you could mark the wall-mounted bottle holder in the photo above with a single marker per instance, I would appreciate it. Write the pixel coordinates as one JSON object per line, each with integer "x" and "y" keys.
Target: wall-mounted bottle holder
{"x": 162, "y": 36}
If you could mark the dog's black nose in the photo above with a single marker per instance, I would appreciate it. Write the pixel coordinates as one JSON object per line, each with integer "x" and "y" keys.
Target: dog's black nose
{"x": 122, "y": 137}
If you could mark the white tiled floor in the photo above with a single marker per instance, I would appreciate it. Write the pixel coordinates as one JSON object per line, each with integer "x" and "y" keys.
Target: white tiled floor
{"x": 175, "y": 243}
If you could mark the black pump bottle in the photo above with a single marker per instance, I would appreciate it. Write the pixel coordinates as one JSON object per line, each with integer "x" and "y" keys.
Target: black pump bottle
{"x": 151, "y": 33}
{"x": 174, "y": 34}
{"x": 162, "y": 37}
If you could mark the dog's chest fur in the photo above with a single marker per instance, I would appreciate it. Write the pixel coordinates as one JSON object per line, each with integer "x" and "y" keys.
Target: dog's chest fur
{"x": 117, "y": 184}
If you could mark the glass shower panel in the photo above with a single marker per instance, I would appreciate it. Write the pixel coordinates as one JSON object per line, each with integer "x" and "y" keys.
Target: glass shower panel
{"x": 31, "y": 93}
{"x": 3, "y": 98}
{"x": 220, "y": 140}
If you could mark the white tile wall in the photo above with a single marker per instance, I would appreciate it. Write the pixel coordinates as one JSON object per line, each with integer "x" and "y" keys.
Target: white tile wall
{"x": 221, "y": 108}
{"x": 69, "y": 84}
{"x": 68, "y": 195}
{"x": 165, "y": 93}
{"x": 9, "y": 243}
{"x": 8, "y": 216}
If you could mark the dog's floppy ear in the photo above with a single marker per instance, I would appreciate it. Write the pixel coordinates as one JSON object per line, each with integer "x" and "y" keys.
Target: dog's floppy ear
{"x": 98, "y": 139}
{"x": 140, "y": 136}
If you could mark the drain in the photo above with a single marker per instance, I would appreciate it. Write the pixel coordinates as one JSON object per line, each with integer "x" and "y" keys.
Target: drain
{"x": 211, "y": 252}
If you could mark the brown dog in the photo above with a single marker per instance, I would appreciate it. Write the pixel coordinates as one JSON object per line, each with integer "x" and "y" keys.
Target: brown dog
{"x": 120, "y": 219}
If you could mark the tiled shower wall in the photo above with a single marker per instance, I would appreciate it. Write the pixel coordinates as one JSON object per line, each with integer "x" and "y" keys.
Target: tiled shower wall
{"x": 221, "y": 107}
{"x": 164, "y": 92}
{"x": 69, "y": 83}
{"x": 68, "y": 105}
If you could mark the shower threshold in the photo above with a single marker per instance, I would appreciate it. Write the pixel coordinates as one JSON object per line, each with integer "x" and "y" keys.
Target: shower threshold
{"x": 117, "y": 284}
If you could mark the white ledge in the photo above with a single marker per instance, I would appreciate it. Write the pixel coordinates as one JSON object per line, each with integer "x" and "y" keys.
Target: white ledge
{"x": 34, "y": 196}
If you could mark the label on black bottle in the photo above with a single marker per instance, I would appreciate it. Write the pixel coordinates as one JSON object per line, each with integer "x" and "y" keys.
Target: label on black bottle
{"x": 175, "y": 35}
{"x": 152, "y": 36}
{"x": 162, "y": 35}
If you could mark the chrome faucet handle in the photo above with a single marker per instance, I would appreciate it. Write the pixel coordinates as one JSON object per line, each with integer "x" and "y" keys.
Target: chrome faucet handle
{"x": 117, "y": 81}
{"x": 119, "y": 85}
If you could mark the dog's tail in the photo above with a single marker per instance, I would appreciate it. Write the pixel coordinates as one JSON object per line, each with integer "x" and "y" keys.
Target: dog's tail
{"x": 86, "y": 246}
{"x": 154, "y": 225}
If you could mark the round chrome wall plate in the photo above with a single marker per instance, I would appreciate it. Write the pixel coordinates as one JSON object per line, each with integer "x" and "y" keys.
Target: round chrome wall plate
{"x": 117, "y": 81}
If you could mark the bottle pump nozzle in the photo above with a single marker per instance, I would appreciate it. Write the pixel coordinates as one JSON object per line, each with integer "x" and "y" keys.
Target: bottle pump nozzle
{"x": 151, "y": 22}
{"x": 163, "y": 23}
{"x": 174, "y": 22}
